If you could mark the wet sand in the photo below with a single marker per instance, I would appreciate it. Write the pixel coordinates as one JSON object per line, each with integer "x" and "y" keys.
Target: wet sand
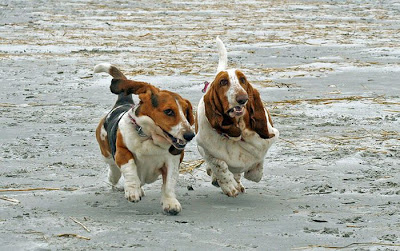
{"x": 327, "y": 70}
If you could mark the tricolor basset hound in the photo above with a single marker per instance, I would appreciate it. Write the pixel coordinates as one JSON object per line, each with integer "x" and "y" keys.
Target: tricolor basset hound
{"x": 233, "y": 129}
{"x": 146, "y": 140}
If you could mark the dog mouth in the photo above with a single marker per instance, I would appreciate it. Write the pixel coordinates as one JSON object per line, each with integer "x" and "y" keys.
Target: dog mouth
{"x": 236, "y": 111}
{"x": 177, "y": 143}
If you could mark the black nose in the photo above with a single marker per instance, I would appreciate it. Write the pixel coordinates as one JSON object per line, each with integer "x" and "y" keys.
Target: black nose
{"x": 188, "y": 136}
{"x": 242, "y": 99}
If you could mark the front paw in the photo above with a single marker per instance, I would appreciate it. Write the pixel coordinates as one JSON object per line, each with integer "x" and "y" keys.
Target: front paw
{"x": 133, "y": 194}
{"x": 229, "y": 188}
{"x": 171, "y": 206}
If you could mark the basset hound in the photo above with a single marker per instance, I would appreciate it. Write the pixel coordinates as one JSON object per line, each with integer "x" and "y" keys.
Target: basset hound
{"x": 143, "y": 141}
{"x": 233, "y": 129}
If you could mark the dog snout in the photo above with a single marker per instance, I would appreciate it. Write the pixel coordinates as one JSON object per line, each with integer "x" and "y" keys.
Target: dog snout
{"x": 188, "y": 136}
{"x": 242, "y": 99}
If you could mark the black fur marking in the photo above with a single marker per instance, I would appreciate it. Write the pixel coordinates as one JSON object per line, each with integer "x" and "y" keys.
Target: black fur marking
{"x": 154, "y": 100}
{"x": 111, "y": 125}
{"x": 137, "y": 111}
{"x": 123, "y": 104}
{"x": 124, "y": 100}
{"x": 172, "y": 150}
{"x": 114, "y": 86}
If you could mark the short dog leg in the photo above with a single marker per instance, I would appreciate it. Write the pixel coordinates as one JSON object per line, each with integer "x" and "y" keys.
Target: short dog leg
{"x": 125, "y": 160}
{"x": 114, "y": 173}
{"x": 133, "y": 191}
{"x": 240, "y": 186}
{"x": 225, "y": 178}
{"x": 170, "y": 174}
{"x": 256, "y": 173}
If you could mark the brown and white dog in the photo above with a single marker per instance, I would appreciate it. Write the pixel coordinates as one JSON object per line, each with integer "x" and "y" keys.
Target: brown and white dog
{"x": 146, "y": 140}
{"x": 233, "y": 130}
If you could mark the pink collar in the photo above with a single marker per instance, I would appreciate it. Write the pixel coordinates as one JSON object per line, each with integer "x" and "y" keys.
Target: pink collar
{"x": 206, "y": 84}
{"x": 138, "y": 128}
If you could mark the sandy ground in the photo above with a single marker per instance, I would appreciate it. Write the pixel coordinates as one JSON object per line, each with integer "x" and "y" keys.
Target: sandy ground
{"x": 327, "y": 70}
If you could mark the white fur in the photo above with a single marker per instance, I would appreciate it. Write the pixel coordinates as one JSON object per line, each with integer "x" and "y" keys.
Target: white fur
{"x": 227, "y": 156}
{"x": 181, "y": 127}
{"x": 103, "y": 133}
{"x": 103, "y": 67}
{"x": 150, "y": 155}
{"x": 234, "y": 88}
{"x": 222, "y": 55}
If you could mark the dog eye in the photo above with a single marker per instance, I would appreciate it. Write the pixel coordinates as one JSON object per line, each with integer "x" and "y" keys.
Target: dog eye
{"x": 223, "y": 82}
{"x": 169, "y": 112}
{"x": 243, "y": 80}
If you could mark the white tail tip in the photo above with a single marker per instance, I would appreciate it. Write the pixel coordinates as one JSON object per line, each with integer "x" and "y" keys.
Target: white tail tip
{"x": 222, "y": 54}
{"x": 104, "y": 67}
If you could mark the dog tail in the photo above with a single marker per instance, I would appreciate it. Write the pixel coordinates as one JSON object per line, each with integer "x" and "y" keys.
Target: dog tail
{"x": 110, "y": 69}
{"x": 223, "y": 56}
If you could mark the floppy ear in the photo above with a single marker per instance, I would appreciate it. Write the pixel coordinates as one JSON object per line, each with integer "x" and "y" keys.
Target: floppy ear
{"x": 221, "y": 122}
{"x": 189, "y": 112}
{"x": 128, "y": 86}
{"x": 257, "y": 118}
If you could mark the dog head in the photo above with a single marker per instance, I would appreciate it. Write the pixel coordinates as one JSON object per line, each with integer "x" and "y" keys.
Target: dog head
{"x": 171, "y": 114}
{"x": 231, "y": 97}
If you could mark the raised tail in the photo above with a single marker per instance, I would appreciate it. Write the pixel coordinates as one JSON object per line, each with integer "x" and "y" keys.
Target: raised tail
{"x": 123, "y": 99}
{"x": 110, "y": 69}
{"x": 223, "y": 56}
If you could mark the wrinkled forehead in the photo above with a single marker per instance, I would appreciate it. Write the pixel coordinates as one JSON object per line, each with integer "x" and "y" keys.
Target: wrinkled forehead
{"x": 171, "y": 99}
{"x": 232, "y": 75}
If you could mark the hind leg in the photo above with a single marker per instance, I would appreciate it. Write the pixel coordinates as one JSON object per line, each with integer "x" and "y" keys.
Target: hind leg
{"x": 256, "y": 173}
{"x": 114, "y": 172}
{"x": 214, "y": 180}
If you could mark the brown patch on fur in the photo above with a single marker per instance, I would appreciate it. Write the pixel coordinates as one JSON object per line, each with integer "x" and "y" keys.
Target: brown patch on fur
{"x": 216, "y": 105}
{"x": 164, "y": 172}
{"x": 166, "y": 101}
{"x": 115, "y": 73}
{"x": 130, "y": 87}
{"x": 104, "y": 145}
{"x": 122, "y": 154}
{"x": 153, "y": 102}
{"x": 255, "y": 117}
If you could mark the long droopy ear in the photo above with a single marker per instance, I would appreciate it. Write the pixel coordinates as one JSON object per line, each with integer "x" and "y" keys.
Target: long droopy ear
{"x": 129, "y": 86}
{"x": 221, "y": 122}
{"x": 189, "y": 112}
{"x": 257, "y": 119}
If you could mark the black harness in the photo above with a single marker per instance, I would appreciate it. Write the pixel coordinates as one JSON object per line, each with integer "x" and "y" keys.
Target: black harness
{"x": 111, "y": 124}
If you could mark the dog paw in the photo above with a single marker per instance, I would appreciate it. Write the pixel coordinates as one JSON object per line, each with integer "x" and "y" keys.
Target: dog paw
{"x": 229, "y": 188}
{"x": 134, "y": 194}
{"x": 241, "y": 188}
{"x": 171, "y": 206}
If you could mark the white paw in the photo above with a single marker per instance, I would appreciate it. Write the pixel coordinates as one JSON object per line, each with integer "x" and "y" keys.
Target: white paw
{"x": 240, "y": 187}
{"x": 171, "y": 206}
{"x": 133, "y": 194}
{"x": 229, "y": 188}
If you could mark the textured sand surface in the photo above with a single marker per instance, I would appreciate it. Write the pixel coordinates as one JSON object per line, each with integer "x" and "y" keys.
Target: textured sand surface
{"x": 327, "y": 70}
